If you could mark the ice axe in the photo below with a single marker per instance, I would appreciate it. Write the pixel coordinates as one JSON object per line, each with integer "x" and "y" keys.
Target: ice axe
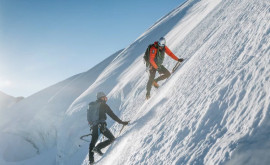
{"x": 176, "y": 66}
{"x": 122, "y": 128}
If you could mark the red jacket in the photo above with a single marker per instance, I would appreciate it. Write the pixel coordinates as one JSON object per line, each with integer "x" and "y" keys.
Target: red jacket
{"x": 153, "y": 53}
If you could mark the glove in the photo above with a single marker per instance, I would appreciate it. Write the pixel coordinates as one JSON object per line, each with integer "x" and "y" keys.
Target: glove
{"x": 180, "y": 60}
{"x": 125, "y": 122}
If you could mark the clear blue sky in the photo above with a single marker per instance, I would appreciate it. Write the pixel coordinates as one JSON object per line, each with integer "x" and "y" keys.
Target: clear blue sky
{"x": 43, "y": 42}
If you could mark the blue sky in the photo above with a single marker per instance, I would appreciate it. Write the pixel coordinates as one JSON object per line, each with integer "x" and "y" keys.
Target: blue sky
{"x": 43, "y": 42}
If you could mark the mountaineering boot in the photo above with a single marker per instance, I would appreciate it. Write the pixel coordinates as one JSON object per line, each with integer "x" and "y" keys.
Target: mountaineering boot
{"x": 148, "y": 96}
{"x": 91, "y": 163}
{"x": 155, "y": 84}
{"x": 91, "y": 160}
{"x": 98, "y": 151}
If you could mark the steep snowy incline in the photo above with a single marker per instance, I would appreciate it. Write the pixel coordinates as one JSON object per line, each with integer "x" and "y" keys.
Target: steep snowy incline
{"x": 31, "y": 127}
{"x": 215, "y": 109}
{"x": 125, "y": 78}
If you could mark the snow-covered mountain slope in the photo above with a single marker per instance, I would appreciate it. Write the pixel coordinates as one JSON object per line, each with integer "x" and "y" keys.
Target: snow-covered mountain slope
{"x": 6, "y": 101}
{"x": 31, "y": 127}
{"x": 208, "y": 112}
{"x": 213, "y": 110}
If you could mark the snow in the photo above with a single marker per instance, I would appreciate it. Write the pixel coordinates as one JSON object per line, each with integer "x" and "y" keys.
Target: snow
{"x": 36, "y": 120}
{"x": 6, "y": 101}
{"x": 213, "y": 110}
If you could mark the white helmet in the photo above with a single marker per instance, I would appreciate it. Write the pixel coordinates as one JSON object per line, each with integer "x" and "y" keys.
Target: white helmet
{"x": 162, "y": 42}
{"x": 100, "y": 94}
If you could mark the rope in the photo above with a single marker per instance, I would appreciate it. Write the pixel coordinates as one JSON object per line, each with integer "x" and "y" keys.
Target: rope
{"x": 82, "y": 137}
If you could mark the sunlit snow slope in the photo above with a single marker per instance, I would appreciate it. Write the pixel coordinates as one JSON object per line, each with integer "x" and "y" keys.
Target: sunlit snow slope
{"x": 6, "y": 101}
{"x": 29, "y": 130}
{"x": 214, "y": 110}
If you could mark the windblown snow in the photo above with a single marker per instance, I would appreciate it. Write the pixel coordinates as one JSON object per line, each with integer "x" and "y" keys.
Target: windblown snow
{"x": 214, "y": 109}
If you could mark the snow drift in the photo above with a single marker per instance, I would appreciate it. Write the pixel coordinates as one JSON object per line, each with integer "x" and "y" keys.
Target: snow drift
{"x": 213, "y": 110}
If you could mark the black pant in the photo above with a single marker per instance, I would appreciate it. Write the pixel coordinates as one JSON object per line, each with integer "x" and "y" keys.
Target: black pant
{"x": 164, "y": 74}
{"x": 96, "y": 130}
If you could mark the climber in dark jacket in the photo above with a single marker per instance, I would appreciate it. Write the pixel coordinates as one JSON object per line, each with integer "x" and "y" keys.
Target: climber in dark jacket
{"x": 101, "y": 127}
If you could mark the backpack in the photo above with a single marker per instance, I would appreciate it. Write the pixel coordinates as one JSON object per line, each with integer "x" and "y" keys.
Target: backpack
{"x": 93, "y": 113}
{"x": 146, "y": 55}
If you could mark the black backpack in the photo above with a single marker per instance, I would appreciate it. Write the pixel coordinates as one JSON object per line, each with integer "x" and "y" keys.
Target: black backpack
{"x": 146, "y": 55}
{"x": 93, "y": 113}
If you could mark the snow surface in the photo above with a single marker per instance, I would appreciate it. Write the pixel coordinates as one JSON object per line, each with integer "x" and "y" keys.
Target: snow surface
{"x": 5, "y": 101}
{"x": 214, "y": 110}
{"x": 31, "y": 127}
